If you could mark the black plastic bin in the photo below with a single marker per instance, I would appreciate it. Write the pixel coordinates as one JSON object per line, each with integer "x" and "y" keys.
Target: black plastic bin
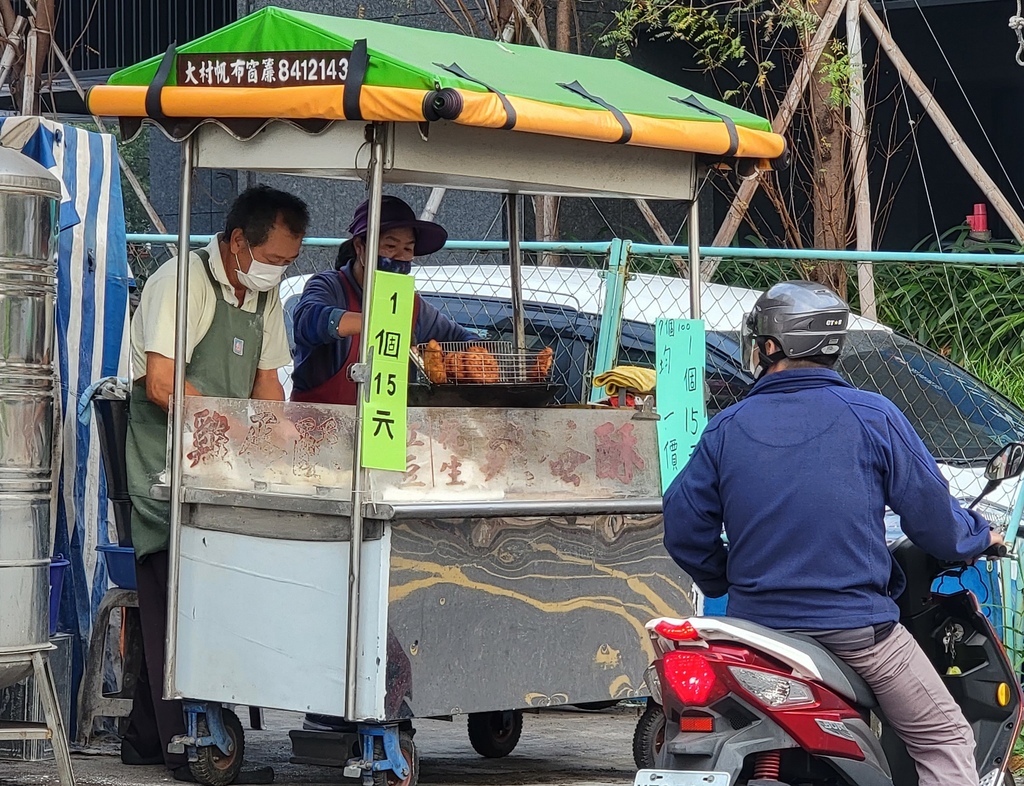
{"x": 112, "y": 425}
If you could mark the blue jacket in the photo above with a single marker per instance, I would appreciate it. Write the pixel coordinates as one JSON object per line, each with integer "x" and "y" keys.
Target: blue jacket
{"x": 800, "y": 473}
{"x": 320, "y": 352}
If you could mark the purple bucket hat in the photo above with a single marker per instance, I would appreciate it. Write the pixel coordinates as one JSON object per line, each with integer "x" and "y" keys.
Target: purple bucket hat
{"x": 395, "y": 213}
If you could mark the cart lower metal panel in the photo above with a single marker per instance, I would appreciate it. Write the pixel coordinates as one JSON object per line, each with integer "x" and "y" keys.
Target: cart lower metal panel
{"x": 512, "y": 565}
{"x": 261, "y": 620}
{"x": 509, "y": 613}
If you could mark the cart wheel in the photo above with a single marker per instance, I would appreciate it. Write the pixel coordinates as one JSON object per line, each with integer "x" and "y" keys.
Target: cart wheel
{"x": 412, "y": 758}
{"x": 495, "y": 734}
{"x": 649, "y": 737}
{"x": 213, "y": 768}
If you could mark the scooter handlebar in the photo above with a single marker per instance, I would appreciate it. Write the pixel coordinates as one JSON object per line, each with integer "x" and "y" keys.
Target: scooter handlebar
{"x": 996, "y": 550}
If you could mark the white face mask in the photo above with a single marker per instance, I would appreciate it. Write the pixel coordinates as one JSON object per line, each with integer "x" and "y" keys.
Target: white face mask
{"x": 261, "y": 276}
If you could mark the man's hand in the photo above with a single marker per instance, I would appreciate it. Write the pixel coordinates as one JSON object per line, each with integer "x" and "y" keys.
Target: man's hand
{"x": 350, "y": 324}
{"x": 995, "y": 538}
{"x": 267, "y": 385}
{"x": 160, "y": 380}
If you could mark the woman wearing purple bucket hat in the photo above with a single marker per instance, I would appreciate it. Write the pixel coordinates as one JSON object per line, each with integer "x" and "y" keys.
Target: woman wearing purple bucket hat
{"x": 329, "y": 313}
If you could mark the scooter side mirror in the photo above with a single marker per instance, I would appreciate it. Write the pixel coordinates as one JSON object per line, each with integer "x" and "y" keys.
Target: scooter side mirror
{"x": 1007, "y": 463}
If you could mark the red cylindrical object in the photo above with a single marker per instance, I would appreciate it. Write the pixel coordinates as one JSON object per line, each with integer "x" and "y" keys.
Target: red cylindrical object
{"x": 980, "y": 218}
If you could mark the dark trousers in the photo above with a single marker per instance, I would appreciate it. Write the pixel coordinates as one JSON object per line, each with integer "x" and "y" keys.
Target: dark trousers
{"x": 153, "y": 721}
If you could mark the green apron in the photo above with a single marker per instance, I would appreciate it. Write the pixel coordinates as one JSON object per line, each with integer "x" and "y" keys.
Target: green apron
{"x": 223, "y": 364}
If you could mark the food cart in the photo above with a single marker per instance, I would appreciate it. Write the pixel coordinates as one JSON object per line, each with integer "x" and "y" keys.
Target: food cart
{"x": 381, "y": 562}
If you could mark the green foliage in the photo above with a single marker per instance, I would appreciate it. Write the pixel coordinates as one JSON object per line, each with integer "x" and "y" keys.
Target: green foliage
{"x": 713, "y": 30}
{"x": 834, "y": 71}
{"x": 981, "y": 325}
{"x": 790, "y": 15}
{"x": 655, "y": 266}
{"x": 757, "y": 274}
{"x": 1006, "y": 377}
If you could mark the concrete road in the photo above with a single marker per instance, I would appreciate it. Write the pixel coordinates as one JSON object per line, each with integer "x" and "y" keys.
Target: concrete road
{"x": 557, "y": 747}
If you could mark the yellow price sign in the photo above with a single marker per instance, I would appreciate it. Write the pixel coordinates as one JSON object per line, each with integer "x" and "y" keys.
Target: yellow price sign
{"x": 385, "y": 411}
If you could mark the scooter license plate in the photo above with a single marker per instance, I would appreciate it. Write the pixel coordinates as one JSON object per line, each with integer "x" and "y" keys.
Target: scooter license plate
{"x": 680, "y": 778}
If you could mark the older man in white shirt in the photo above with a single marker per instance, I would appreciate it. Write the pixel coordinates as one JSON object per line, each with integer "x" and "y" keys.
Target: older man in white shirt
{"x": 236, "y": 342}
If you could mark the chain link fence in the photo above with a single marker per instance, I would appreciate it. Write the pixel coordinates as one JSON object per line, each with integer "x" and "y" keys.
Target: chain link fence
{"x": 947, "y": 347}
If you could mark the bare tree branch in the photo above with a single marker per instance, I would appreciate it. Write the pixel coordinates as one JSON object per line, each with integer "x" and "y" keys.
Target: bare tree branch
{"x": 470, "y": 17}
{"x": 563, "y": 34}
{"x": 44, "y": 17}
{"x": 447, "y": 11}
{"x": 8, "y": 15}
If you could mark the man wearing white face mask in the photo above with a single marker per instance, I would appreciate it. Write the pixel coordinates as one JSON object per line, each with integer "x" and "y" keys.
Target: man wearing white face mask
{"x": 236, "y": 342}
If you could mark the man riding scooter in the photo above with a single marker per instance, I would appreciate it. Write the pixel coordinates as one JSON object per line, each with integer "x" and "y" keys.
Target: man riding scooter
{"x": 800, "y": 474}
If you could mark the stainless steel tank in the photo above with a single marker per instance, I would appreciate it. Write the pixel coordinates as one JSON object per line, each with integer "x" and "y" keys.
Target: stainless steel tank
{"x": 29, "y": 205}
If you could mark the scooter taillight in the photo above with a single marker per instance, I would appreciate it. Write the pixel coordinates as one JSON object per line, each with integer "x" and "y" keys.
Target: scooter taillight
{"x": 691, "y": 678}
{"x": 810, "y": 713}
{"x": 677, "y": 631}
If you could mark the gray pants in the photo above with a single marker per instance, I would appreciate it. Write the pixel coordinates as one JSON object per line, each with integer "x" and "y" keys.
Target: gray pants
{"x": 919, "y": 708}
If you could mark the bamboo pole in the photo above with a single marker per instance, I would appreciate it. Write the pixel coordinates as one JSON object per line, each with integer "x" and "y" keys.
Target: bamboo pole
{"x": 950, "y": 134}
{"x": 11, "y": 50}
{"x": 540, "y": 39}
{"x": 8, "y": 15}
{"x": 433, "y": 204}
{"x": 859, "y": 158}
{"x": 680, "y": 264}
{"x": 781, "y": 121}
{"x": 30, "y": 84}
{"x": 43, "y": 17}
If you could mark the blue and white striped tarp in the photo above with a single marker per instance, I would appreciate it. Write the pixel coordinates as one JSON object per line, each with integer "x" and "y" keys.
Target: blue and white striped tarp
{"x": 92, "y": 331}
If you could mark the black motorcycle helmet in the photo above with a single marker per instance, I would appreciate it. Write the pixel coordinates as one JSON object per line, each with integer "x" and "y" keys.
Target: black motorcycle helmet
{"x": 806, "y": 319}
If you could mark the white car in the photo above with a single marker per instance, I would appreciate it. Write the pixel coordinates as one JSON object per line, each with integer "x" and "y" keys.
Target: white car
{"x": 962, "y": 421}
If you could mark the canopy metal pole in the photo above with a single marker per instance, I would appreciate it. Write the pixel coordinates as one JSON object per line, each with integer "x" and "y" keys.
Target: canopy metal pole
{"x": 693, "y": 251}
{"x": 178, "y": 416}
{"x": 515, "y": 267}
{"x": 362, "y": 379}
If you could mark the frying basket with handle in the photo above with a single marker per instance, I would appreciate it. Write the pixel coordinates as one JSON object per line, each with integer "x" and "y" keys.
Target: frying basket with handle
{"x": 501, "y": 364}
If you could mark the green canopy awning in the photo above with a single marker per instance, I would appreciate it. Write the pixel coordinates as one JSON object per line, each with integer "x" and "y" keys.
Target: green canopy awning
{"x": 414, "y": 75}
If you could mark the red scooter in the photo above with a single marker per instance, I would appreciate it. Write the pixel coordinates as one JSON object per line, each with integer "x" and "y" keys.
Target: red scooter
{"x": 745, "y": 704}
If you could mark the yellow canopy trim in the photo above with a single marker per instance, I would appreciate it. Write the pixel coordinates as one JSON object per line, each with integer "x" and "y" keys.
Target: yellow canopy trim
{"x": 395, "y": 104}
